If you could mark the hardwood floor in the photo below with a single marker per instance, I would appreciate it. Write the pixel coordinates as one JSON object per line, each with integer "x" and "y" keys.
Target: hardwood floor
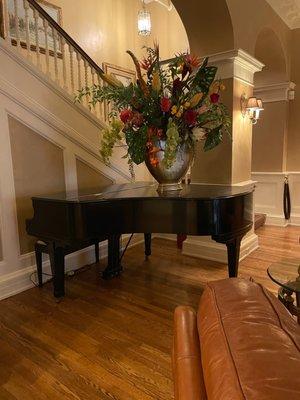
{"x": 112, "y": 339}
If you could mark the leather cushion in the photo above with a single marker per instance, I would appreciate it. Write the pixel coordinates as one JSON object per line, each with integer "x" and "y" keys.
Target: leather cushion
{"x": 250, "y": 344}
{"x": 186, "y": 358}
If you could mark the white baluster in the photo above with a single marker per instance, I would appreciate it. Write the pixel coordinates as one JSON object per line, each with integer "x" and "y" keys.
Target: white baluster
{"x": 54, "y": 34}
{"x": 46, "y": 26}
{"x": 71, "y": 50}
{"x": 37, "y": 39}
{"x": 16, "y": 20}
{"x": 27, "y": 31}
{"x": 95, "y": 110}
{"x": 63, "y": 55}
{"x": 5, "y": 24}
{"x": 101, "y": 105}
{"x": 86, "y": 79}
{"x": 79, "y": 70}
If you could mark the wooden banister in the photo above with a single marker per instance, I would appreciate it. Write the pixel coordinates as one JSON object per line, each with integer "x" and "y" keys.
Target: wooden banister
{"x": 66, "y": 36}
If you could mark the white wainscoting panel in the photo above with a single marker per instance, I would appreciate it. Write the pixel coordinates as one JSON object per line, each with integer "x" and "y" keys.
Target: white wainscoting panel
{"x": 268, "y": 197}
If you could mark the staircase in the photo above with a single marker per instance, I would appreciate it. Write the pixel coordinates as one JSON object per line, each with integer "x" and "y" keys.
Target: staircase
{"x": 40, "y": 40}
{"x": 41, "y": 70}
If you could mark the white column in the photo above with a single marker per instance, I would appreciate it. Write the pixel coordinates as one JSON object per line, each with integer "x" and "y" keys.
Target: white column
{"x": 238, "y": 68}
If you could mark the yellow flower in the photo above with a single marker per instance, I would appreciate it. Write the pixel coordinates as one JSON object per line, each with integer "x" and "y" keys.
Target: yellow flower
{"x": 196, "y": 99}
{"x": 179, "y": 112}
{"x": 222, "y": 87}
{"x": 174, "y": 110}
{"x": 187, "y": 104}
{"x": 156, "y": 84}
{"x": 180, "y": 67}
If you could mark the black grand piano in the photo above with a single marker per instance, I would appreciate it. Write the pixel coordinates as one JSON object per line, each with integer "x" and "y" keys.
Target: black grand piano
{"x": 223, "y": 212}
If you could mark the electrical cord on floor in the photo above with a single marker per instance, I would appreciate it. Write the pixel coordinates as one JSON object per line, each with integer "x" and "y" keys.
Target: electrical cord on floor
{"x": 127, "y": 244}
{"x": 35, "y": 274}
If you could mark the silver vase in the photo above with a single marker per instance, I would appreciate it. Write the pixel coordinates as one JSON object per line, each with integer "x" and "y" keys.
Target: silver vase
{"x": 169, "y": 179}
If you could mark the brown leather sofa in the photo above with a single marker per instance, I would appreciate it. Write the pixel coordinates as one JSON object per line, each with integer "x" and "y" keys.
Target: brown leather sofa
{"x": 242, "y": 344}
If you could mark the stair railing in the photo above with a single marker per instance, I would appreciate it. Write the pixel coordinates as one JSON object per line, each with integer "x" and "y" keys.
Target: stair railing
{"x": 39, "y": 38}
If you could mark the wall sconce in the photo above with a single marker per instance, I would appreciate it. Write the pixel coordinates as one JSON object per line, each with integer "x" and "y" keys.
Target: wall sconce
{"x": 252, "y": 107}
{"x": 144, "y": 21}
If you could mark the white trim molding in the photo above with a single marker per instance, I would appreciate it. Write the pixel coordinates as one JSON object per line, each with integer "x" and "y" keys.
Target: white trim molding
{"x": 284, "y": 91}
{"x": 236, "y": 64}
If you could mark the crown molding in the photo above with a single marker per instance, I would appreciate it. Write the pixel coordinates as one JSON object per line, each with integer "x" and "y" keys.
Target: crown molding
{"x": 236, "y": 64}
{"x": 284, "y": 91}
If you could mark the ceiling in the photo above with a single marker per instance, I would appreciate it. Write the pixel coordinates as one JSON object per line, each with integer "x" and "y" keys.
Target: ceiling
{"x": 288, "y": 10}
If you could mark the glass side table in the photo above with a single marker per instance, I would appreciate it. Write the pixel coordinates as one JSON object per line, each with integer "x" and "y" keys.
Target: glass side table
{"x": 286, "y": 273}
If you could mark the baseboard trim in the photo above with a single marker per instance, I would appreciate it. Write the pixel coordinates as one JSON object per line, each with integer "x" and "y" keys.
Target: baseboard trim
{"x": 19, "y": 281}
{"x": 206, "y": 248}
{"x": 277, "y": 220}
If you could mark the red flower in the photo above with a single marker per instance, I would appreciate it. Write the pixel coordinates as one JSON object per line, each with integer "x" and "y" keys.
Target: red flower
{"x": 137, "y": 119}
{"x": 165, "y": 104}
{"x": 192, "y": 61}
{"x": 126, "y": 115}
{"x": 214, "y": 98}
{"x": 190, "y": 117}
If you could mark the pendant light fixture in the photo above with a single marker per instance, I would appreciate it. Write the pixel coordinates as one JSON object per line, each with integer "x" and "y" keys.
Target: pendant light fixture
{"x": 144, "y": 21}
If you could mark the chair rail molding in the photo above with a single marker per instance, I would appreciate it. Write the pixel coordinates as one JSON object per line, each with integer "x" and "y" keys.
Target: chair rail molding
{"x": 284, "y": 91}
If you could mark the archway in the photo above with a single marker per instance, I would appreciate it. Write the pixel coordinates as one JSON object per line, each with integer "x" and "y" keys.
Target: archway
{"x": 269, "y": 50}
{"x": 271, "y": 129}
{"x": 208, "y": 25}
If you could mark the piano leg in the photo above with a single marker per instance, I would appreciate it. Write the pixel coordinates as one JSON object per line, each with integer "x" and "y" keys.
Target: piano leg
{"x": 114, "y": 267}
{"x": 57, "y": 260}
{"x": 233, "y": 254}
{"x": 147, "y": 239}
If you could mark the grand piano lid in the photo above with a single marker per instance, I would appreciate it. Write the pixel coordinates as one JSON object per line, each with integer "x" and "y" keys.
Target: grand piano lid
{"x": 148, "y": 190}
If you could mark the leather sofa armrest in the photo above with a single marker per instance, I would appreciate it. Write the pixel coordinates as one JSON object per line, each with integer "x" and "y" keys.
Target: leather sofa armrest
{"x": 186, "y": 358}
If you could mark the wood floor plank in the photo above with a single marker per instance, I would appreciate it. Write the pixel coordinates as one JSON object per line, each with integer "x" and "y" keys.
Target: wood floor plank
{"x": 111, "y": 340}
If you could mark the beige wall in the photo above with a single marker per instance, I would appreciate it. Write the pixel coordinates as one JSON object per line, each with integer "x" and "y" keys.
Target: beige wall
{"x": 293, "y": 141}
{"x": 208, "y": 25}
{"x": 89, "y": 178}
{"x": 1, "y": 251}
{"x": 269, "y": 50}
{"x": 107, "y": 28}
{"x": 38, "y": 169}
{"x": 241, "y": 136}
{"x": 214, "y": 166}
{"x": 269, "y": 137}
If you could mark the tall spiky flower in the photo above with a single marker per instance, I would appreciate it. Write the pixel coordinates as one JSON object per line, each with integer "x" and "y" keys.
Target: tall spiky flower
{"x": 141, "y": 80}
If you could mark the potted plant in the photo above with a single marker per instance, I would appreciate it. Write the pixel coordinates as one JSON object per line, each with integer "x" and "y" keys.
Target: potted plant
{"x": 159, "y": 114}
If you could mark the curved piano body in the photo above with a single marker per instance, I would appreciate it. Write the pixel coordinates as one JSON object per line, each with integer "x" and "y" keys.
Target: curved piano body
{"x": 223, "y": 212}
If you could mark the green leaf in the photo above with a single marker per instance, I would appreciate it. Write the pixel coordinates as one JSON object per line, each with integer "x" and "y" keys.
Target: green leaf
{"x": 213, "y": 139}
{"x": 136, "y": 141}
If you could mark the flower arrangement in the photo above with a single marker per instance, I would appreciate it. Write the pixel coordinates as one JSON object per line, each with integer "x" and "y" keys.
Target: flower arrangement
{"x": 167, "y": 102}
